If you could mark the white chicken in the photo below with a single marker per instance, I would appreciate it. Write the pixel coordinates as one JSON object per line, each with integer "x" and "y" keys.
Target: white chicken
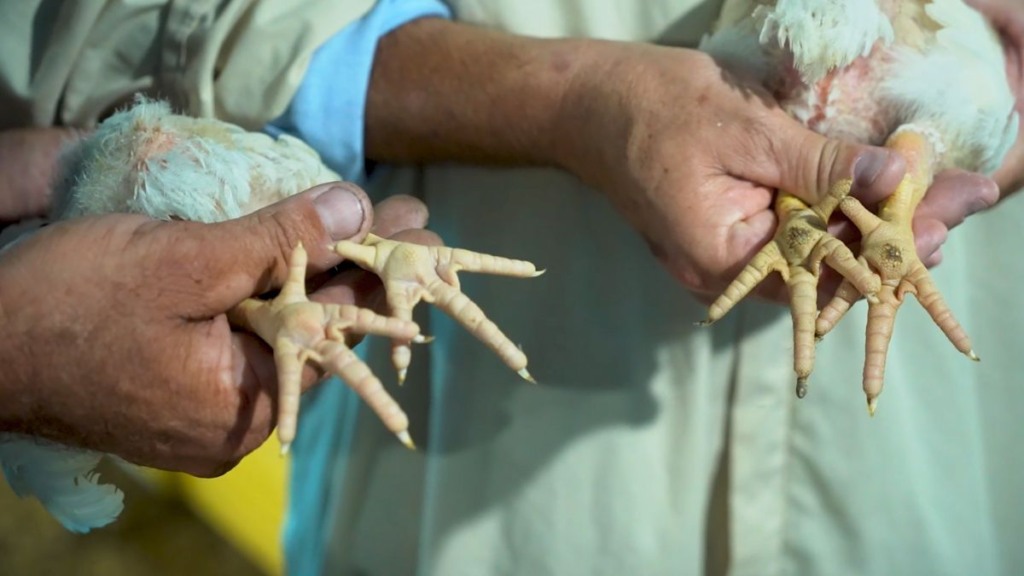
{"x": 924, "y": 78}
{"x": 149, "y": 161}
{"x": 862, "y": 70}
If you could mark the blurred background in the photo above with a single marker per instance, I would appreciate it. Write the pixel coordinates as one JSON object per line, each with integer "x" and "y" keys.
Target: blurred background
{"x": 173, "y": 524}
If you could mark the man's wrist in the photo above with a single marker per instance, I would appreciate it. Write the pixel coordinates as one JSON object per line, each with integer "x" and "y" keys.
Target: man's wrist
{"x": 593, "y": 122}
{"x": 444, "y": 91}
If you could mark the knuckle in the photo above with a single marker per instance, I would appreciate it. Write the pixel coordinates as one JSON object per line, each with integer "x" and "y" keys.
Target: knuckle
{"x": 826, "y": 164}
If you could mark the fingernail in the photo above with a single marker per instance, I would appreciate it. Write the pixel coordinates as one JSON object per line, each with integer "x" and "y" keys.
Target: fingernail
{"x": 868, "y": 166}
{"x": 341, "y": 212}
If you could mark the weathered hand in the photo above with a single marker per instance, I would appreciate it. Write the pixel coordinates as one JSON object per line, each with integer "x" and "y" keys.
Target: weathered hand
{"x": 692, "y": 159}
{"x": 115, "y": 336}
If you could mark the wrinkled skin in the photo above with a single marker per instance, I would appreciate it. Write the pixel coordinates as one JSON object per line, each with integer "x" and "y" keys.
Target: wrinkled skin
{"x": 175, "y": 387}
{"x": 699, "y": 184}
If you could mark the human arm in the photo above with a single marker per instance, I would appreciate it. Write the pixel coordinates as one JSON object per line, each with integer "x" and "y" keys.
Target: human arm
{"x": 685, "y": 152}
{"x": 173, "y": 386}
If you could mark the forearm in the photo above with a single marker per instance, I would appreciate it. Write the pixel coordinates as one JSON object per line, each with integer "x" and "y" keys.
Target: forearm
{"x": 28, "y": 159}
{"x": 445, "y": 91}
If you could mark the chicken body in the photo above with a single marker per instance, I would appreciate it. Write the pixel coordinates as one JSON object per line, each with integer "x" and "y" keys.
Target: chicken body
{"x": 146, "y": 160}
{"x": 860, "y": 70}
{"x": 925, "y": 78}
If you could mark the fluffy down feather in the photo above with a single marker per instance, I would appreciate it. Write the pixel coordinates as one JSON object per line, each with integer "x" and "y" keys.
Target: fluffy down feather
{"x": 62, "y": 479}
{"x": 248, "y": 170}
{"x": 822, "y": 35}
{"x": 863, "y": 69}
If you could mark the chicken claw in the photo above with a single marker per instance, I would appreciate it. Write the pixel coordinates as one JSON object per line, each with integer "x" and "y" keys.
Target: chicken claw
{"x": 414, "y": 272}
{"x": 800, "y": 244}
{"x": 302, "y": 331}
{"x": 887, "y": 246}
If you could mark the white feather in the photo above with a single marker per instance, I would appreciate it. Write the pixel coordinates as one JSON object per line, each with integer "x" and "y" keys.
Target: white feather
{"x": 822, "y": 34}
{"x": 940, "y": 72}
{"x": 62, "y": 479}
{"x": 957, "y": 86}
{"x": 142, "y": 160}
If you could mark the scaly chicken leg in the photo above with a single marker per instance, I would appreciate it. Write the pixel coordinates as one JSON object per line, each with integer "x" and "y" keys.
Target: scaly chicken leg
{"x": 147, "y": 160}
{"x": 888, "y": 248}
{"x": 412, "y": 272}
{"x": 301, "y": 331}
{"x": 865, "y": 72}
{"x": 800, "y": 244}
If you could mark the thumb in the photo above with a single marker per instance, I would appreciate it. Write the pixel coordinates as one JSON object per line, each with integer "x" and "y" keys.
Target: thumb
{"x": 257, "y": 247}
{"x": 807, "y": 165}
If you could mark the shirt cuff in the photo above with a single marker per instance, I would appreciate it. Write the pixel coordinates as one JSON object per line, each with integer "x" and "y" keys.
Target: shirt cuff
{"x": 328, "y": 110}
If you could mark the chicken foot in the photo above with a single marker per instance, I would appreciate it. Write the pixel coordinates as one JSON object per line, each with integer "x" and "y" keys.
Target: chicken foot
{"x": 413, "y": 272}
{"x": 887, "y": 246}
{"x": 800, "y": 244}
{"x": 301, "y": 331}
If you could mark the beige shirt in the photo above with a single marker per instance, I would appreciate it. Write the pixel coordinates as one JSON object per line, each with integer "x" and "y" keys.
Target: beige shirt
{"x": 650, "y": 447}
{"x": 653, "y": 447}
{"x": 241, "y": 60}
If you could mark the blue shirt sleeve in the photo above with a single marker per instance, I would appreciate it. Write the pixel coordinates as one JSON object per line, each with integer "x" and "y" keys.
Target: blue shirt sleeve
{"x": 328, "y": 111}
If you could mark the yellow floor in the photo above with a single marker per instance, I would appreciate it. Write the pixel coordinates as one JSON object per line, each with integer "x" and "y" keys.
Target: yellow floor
{"x": 157, "y": 535}
{"x": 246, "y": 505}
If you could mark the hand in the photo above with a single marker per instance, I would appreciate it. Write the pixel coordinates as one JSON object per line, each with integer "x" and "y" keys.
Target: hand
{"x": 1007, "y": 16}
{"x": 686, "y": 153}
{"x": 692, "y": 159}
{"x": 115, "y": 336}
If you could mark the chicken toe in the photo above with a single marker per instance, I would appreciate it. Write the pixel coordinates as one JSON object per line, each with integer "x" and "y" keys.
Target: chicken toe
{"x": 412, "y": 273}
{"x": 887, "y": 246}
{"x": 796, "y": 252}
{"x": 301, "y": 331}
